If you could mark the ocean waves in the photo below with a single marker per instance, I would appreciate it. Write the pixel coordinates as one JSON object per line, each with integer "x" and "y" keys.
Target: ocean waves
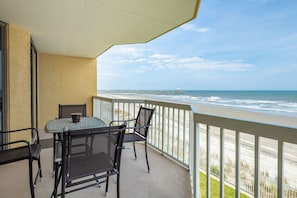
{"x": 272, "y": 102}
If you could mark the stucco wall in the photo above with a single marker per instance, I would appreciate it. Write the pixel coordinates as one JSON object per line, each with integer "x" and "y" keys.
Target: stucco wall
{"x": 19, "y": 85}
{"x": 64, "y": 80}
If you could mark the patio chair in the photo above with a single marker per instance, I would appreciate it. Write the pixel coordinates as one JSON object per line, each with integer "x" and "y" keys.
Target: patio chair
{"x": 65, "y": 111}
{"x": 83, "y": 167}
{"x": 21, "y": 149}
{"x": 138, "y": 131}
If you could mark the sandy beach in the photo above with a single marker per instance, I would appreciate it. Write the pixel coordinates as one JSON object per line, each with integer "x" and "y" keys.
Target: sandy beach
{"x": 247, "y": 115}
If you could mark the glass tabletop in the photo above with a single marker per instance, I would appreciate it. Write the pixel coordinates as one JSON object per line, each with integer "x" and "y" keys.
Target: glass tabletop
{"x": 64, "y": 124}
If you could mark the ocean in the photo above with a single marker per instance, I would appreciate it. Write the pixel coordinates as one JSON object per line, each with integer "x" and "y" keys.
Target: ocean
{"x": 271, "y": 102}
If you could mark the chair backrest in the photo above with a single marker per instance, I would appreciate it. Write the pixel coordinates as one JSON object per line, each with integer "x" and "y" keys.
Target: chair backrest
{"x": 66, "y": 110}
{"x": 90, "y": 151}
{"x": 143, "y": 120}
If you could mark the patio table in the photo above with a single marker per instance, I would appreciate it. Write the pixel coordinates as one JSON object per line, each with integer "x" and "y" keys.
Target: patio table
{"x": 59, "y": 125}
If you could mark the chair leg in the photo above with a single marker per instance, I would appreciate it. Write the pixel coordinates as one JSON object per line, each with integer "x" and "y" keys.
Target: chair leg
{"x": 57, "y": 179}
{"x": 39, "y": 172}
{"x": 63, "y": 180}
{"x": 147, "y": 163}
{"x": 31, "y": 178}
{"x": 54, "y": 151}
{"x": 106, "y": 187}
{"x": 39, "y": 168}
{"x": 118, "y": 185}
{"x": 134, "y": 150}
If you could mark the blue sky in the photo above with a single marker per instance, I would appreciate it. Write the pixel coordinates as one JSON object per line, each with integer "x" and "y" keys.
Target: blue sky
{"x": 230, "y": 45}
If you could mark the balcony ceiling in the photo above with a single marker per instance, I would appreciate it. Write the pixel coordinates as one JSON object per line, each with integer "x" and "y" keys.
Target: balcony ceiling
{"x": 87, "y": 28}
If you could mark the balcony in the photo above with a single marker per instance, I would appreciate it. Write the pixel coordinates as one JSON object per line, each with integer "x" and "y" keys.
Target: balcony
{"x": 254, "y": 156}
{"x": 166, "y": 179}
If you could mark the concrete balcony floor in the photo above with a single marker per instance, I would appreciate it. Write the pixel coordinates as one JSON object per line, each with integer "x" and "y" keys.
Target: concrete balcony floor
{"x": 166, "y": 179}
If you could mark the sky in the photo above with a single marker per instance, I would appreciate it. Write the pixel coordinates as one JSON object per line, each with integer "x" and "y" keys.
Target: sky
{"x": 230, "y": 45}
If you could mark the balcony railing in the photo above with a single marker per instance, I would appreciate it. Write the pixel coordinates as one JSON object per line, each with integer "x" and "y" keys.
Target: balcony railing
{"x": 256, "y": 159}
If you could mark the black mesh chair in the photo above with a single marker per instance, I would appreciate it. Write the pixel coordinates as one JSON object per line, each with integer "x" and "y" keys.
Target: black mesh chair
{"x": 92, "y": 164}
{"x": 66, "y": 110}
{"x": 138, "y": 131}
{"x": 23, "y": 150}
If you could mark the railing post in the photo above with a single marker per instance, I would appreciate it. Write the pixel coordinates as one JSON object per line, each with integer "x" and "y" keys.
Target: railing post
{"x": 159, "y": 126}
{"x": 222, "y": 180}
{"x": 112, "y": 110}
{"x": 207, "y": 161}
{"x": 257, "y": 169}
{"x": 173, "y": 130}
{"x": 163, "y": 127}
{"x": 168, "y": 128}
{"x": 237, "y": 168}
{"x": 280, "y": 160}
{"x": 178, "y": 133}
{"x": 195, "y": 156}
{"x": 184, "y": 132}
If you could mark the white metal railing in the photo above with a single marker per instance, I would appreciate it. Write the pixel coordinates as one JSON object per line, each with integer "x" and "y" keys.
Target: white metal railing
{"x": 170, "y": 129}
{"x": 261, "y": 155}
{"x": 232, "y": 149}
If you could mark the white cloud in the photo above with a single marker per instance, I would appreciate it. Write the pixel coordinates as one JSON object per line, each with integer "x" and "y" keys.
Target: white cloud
{"x": 197, "y": 63}
{"x": 143, "y": 62}
{"x": 122, "y": 50}
{"x": 132, "y": 51}
{"x": 192, "y": 27}
{"x": 203, "y": 64}
{"x": 142, "y": 69}
{"x": 161, "y": 56}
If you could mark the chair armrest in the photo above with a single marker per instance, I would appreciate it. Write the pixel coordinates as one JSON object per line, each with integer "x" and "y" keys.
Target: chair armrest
{"x": 134, "y": 129}
{"x": 27, "y": 144}
{"x": 139, "y": 127}
{"x": 34, "y": 134}
{"x": 16, "y": 142}
{"x": 122, "y": 121}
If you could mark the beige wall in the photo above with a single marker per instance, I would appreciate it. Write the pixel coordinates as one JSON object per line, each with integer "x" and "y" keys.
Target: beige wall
{"x": 18, "y": 76}
{"x": 64, "y": 80}
{"x": 61, "y": 80}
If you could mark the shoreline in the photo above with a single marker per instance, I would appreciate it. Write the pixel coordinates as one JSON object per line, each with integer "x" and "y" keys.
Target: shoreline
{"x": 217, "y": 110}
